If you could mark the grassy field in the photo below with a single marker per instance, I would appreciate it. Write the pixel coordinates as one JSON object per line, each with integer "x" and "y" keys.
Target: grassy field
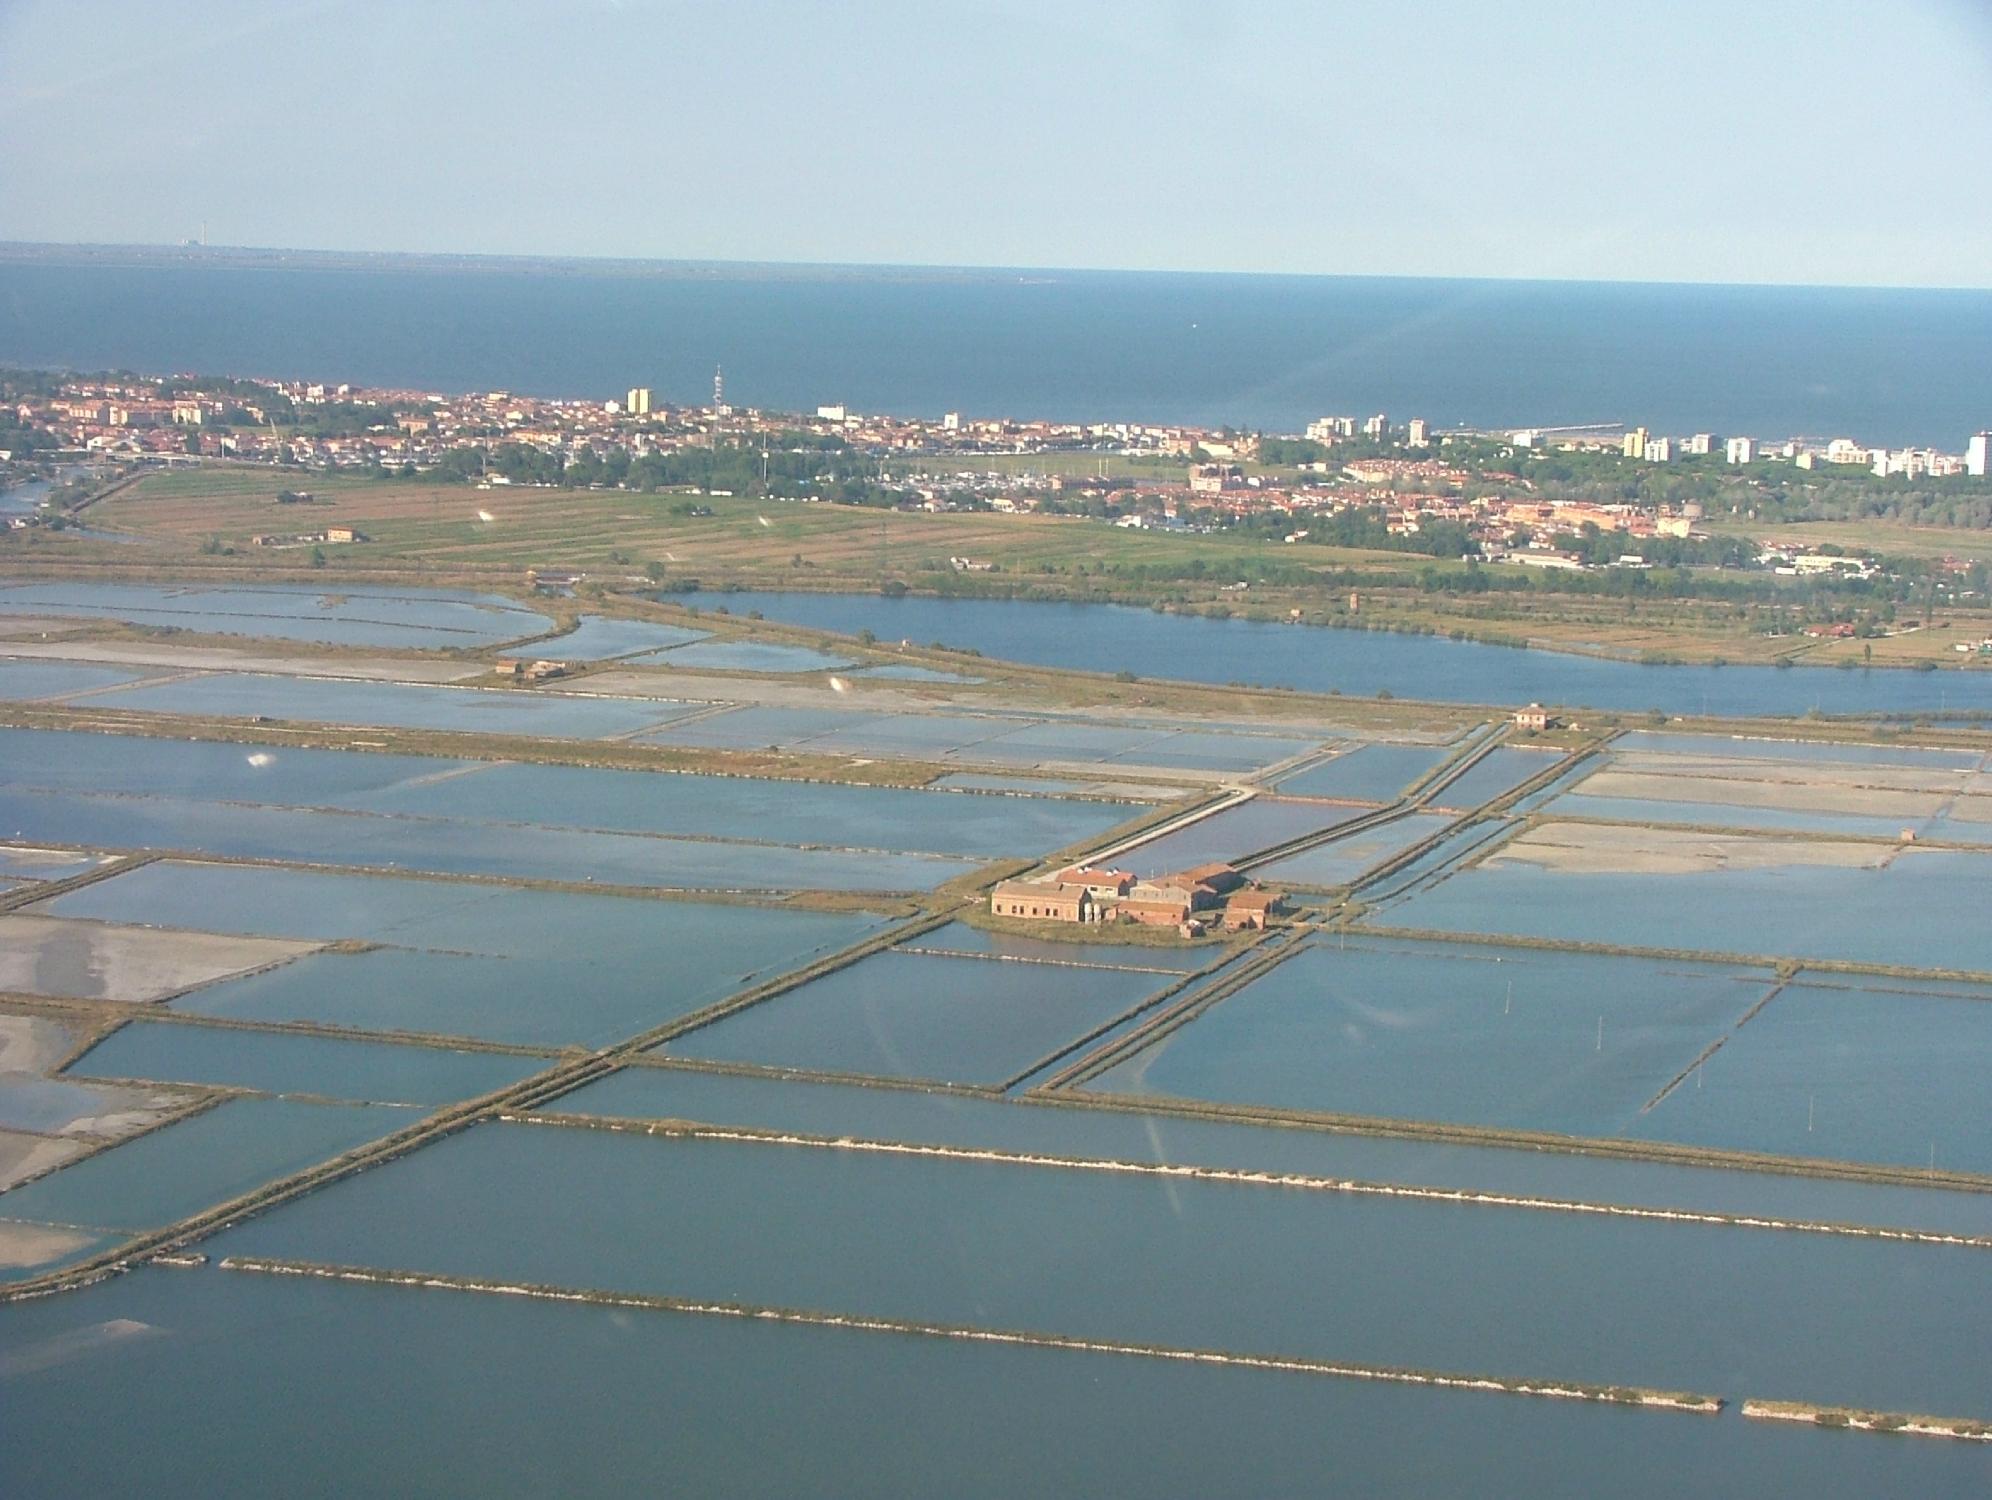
{"x": 750, "y": 540}
{"x": 441, "y": 532}
{"x": 1872, "y": 538}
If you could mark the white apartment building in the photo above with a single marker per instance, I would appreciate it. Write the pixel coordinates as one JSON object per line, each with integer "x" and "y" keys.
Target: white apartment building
{"x": 1418, "y": 434}
{"x": 1740, "y": 450}
{"x": 1978, "y": 456}
{"x": 1659, "y": 450}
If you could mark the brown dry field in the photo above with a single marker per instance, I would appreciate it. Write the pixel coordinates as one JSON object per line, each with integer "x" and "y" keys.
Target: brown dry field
{"x": 1783, "y": 796}
{"x": 1694, "y": 770}
{"x": 1629, "y": 849}
{"x": 1889, "y": 538}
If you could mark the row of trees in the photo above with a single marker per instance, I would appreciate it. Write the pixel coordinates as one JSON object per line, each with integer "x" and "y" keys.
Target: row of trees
{"x": 825, "y": 468}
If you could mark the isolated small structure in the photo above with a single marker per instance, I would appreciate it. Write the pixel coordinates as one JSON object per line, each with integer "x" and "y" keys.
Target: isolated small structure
{"x": 1535, "y": 716}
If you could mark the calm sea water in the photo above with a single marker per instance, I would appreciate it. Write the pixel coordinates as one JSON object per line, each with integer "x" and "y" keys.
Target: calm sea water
{"x": 1264, "y": 351}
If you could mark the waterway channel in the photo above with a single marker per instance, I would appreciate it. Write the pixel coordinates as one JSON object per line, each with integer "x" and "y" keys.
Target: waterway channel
{"x": 1114, "y": 638}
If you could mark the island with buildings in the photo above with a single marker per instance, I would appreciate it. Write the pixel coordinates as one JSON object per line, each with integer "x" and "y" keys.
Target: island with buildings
{"x": 1205, "y": 898}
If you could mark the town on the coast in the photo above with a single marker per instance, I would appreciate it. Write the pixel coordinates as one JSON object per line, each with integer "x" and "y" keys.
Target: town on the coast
{"x": 1532, "y": 497}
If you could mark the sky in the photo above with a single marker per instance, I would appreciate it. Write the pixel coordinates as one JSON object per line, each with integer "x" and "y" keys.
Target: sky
{"x": 1798, "y": 141}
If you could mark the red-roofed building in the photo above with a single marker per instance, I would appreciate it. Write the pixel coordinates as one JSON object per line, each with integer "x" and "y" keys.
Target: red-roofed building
{"x": 1101, "y": 885}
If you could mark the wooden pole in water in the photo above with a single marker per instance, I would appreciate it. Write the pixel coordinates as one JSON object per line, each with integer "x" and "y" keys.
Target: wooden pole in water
{"x": 1601, "y": 1033}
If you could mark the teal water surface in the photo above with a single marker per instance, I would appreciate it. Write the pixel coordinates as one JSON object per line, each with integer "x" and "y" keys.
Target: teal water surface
{"x": 398, "y": 705}
{"x": 1517, "y": 1038}
{"x": 209, "y": 1158}
{"x": 1924, "y": 910}
{"x": 343, "y": 616}
{"x": 1861, "y": 1070}
{"x": 497, "y": 963}
{"x": 1059, "y": 1126}
{"x": 1362, "y": 663}
{"x": 1198, "y": 1264}
{"x": 295, "y": 1063}
{"x": 602, "y": 637}
{"x": 450, "y": 1394}
{"x": 924, "y": 1015}
{"x": 1367, "y": 773}
{"x": 22, "y": 678}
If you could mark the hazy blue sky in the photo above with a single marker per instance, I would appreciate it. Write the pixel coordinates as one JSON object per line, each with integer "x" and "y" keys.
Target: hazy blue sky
{"x": 1747, "y": 140}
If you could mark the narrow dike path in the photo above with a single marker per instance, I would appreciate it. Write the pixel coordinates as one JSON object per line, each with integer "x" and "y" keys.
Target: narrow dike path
{"x": 1569, "y": 1390}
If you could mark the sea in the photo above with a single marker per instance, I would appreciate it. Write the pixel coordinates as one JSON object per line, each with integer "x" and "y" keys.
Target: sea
{"x": 1883, "y": 366}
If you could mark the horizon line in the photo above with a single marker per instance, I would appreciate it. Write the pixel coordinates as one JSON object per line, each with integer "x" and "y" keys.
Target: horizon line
{"x": 611, "y": 263}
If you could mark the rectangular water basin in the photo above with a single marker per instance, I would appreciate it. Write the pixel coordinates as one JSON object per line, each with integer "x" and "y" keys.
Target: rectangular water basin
{"x": 922, "y": 1015}
{"x": 1214, "y": 1265}
{"x": 1458, "y": 1033}
{"x": 1229, "y": 836}
{"x": 298, "y": 1063}
{"x": 397, "y": 705}
{"x": 179, "y": 1169}
{"x": 1081, "y": 1126}
{"x": 1367, "y": 773}
{"x": 22, "y": 680}
{"x": 1348, "y": 858}
{"x": 1868, "y": 1070}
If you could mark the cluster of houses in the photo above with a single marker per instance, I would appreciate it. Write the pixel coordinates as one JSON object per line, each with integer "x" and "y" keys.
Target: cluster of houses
{"x": 1192, "y": 901}
{"x": 140, "y": 417}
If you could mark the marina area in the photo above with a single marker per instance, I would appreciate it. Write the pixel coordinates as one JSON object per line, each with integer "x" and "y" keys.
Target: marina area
{"x": 656, "y": 1030}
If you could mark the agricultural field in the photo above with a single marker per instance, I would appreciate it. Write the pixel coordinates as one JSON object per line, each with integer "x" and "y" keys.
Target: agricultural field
{"x": 1876, "y": 538}
{"x": 768, "y": 542}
